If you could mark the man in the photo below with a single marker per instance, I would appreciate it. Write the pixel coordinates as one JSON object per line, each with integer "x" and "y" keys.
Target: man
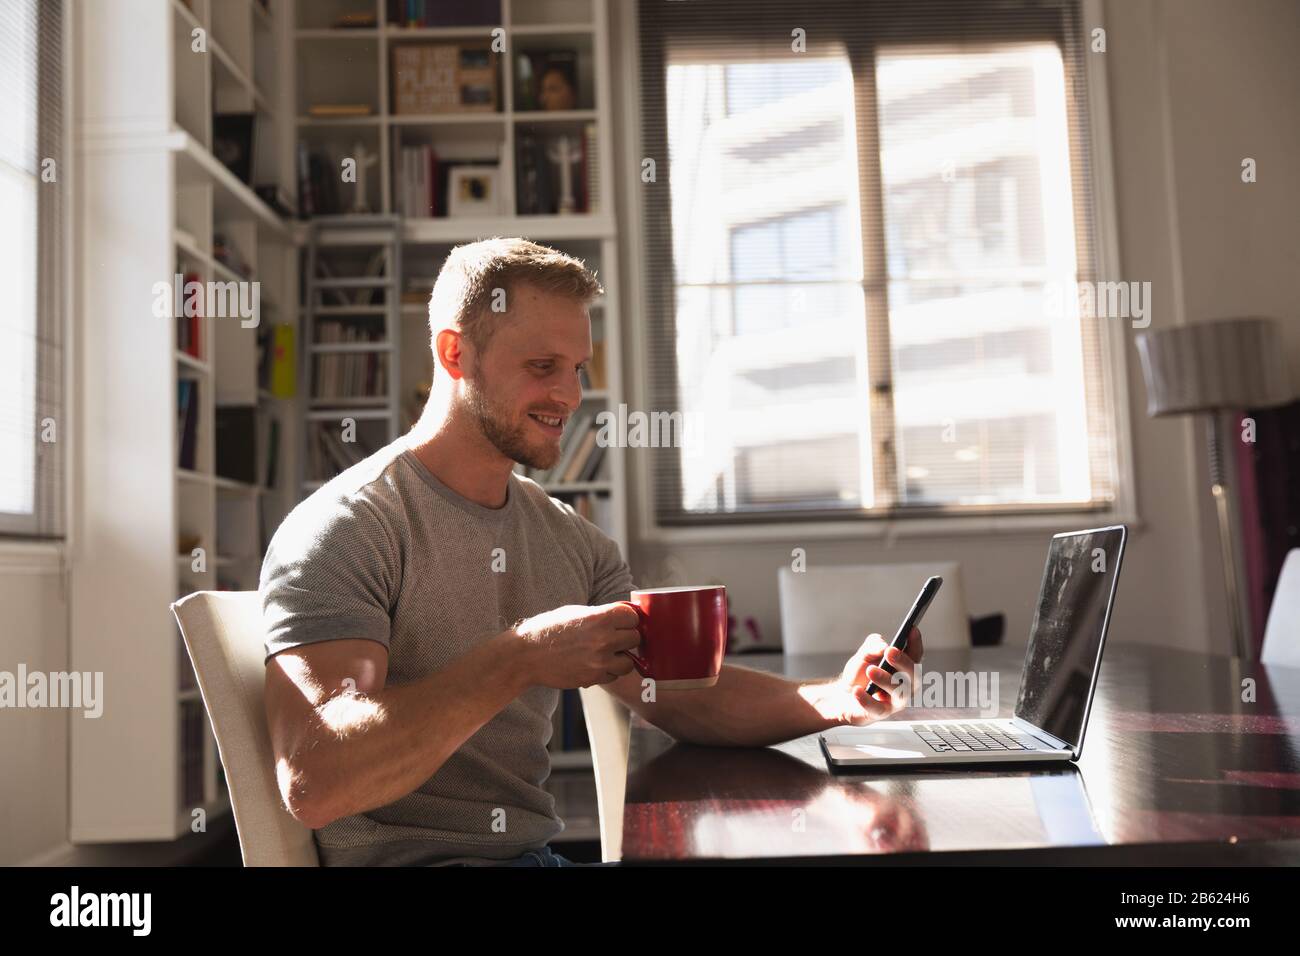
{"x": 425, "y": 607}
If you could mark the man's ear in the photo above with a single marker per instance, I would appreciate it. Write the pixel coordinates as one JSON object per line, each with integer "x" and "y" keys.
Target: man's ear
{"x": 449, "y": 352}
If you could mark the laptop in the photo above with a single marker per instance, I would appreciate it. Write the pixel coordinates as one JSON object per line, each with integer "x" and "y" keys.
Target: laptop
{"x": 1056, "y": 687}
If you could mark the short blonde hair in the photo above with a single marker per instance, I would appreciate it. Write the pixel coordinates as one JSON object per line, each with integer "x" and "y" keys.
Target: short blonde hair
{"x": 467, "y": 283}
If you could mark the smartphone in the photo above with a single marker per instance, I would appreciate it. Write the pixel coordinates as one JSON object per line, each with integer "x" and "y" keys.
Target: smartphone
{"x": 928, "y": 590}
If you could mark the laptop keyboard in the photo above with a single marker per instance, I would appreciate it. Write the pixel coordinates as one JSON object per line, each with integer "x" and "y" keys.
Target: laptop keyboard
{"x": 947, "y": 738}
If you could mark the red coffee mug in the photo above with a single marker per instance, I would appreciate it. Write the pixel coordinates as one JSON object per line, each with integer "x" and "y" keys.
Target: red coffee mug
{"x": 683, "y": 634}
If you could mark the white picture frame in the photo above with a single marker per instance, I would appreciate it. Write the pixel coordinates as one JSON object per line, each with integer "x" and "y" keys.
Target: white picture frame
{"x": 465, "y": 183}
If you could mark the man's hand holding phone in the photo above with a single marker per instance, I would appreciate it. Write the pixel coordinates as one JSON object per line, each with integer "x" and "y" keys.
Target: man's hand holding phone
{"x": 867, "y": 689}
{"x": 873, "y": 687}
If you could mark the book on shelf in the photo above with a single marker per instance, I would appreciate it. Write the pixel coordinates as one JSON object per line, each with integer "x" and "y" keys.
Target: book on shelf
{"x": 236, "y": 443}
{"x": 329, "y": 454}
{"x": 362, "y": 20}
{"x": 265, "y": 335}
{"x": 376, "y": 268}
{"x": 187, "y": 422}
{"x": 417, "y": 182}
{"x": 441, "y": 13}
{"x": 339, "y": 110}
{"x": 189, "y": 329}
{"x": 318, "y": 194}
{"x": 283, "y": 374}
{"x": 538, "y": 180}
{"x": 579, "y": 425}
{"x": 578, "y": 463}
{"x": 349, "y": 374}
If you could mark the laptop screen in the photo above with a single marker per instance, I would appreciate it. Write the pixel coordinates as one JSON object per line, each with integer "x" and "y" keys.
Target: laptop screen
{"x": 1069, "y": 626}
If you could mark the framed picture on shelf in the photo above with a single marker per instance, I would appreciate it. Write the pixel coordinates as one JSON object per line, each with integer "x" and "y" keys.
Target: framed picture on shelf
{"x": 474, "y": 191}
{"x": 546, "y": 80}
{"x": 431, "y": 78}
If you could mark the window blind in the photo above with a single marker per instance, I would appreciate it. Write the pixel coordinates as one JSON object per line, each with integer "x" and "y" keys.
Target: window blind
{"x": 864, "y": 241}
{"x": 32, "y": 433}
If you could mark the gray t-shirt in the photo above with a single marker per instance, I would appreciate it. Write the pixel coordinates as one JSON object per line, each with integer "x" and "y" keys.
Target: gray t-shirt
{"x": 388, "y": 553}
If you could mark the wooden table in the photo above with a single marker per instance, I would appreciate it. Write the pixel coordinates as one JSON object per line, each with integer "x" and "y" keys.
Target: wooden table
{"x": 1176, "y": 769}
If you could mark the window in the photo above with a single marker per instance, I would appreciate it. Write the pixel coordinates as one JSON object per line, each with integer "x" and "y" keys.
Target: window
{"x": 853, "y": 291}
{"x": 31, "y": 479}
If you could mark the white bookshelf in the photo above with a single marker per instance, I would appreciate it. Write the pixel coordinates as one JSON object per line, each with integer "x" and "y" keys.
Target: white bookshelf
{"x": 156, "y": 199}
{"x": 352, "y": 66}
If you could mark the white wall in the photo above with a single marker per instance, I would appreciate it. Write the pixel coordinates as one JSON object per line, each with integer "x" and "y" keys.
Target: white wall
{"x": 33, "y": 743}
{"x": 1194, "y": 86}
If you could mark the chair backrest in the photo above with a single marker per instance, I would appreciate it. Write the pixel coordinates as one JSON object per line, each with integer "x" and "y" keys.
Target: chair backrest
{"x": 224, "y": 635}
{"x": 826, "y": 609}
{"x": 609, "y": 726}
{"x": 1282, "y": 633}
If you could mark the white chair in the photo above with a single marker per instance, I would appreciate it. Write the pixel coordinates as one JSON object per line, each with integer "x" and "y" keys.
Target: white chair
{"x": 827, "y": 609}
{"x": 1282, "y": 633}
{"x": 609, "y": 727}
{"x": 223, "y": 632}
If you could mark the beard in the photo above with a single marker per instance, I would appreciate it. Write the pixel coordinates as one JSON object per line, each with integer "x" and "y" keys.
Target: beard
{"x": 508, "y": 435}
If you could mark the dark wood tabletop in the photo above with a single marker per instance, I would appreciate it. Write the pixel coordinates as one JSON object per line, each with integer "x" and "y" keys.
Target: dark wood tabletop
{"x": 1187, "y": 758}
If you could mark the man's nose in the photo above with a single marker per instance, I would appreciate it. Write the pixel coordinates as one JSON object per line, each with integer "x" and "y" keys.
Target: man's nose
{"x": 569, "y": 391}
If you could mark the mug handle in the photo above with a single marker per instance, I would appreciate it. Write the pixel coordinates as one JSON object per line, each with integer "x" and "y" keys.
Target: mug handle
{"x": 642, "y": 667}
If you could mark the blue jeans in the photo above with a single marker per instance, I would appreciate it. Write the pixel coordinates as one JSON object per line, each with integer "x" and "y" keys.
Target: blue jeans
{"x": 543, "y": 857}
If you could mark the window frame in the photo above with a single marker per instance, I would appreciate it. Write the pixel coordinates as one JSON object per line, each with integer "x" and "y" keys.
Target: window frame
{"x": 919, "y": 521}
{"x": 22, "y": 545}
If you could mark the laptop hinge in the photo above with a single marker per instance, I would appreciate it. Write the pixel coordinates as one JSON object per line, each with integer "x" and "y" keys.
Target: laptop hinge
{"x": 1041, "y": 734}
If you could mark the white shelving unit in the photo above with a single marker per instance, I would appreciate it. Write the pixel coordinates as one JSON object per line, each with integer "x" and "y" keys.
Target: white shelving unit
{"x": 156, "y": 200}
{"x": 352, "y": 66}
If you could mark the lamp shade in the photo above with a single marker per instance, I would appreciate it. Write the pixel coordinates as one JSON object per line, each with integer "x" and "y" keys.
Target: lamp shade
{"x": 1209, "y": 366}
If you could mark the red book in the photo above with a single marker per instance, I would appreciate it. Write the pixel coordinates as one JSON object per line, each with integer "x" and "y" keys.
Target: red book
{"x": 196, "y": 328}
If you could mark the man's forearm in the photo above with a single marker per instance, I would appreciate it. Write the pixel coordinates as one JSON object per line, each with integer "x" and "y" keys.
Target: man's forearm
{"x": 745, "y": 708}
{"x": 369, "y": 750}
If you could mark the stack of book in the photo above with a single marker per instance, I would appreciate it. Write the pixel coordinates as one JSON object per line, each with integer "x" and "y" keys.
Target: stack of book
{"x": 417, "y": 182}
{"x": 349, "y": 374}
